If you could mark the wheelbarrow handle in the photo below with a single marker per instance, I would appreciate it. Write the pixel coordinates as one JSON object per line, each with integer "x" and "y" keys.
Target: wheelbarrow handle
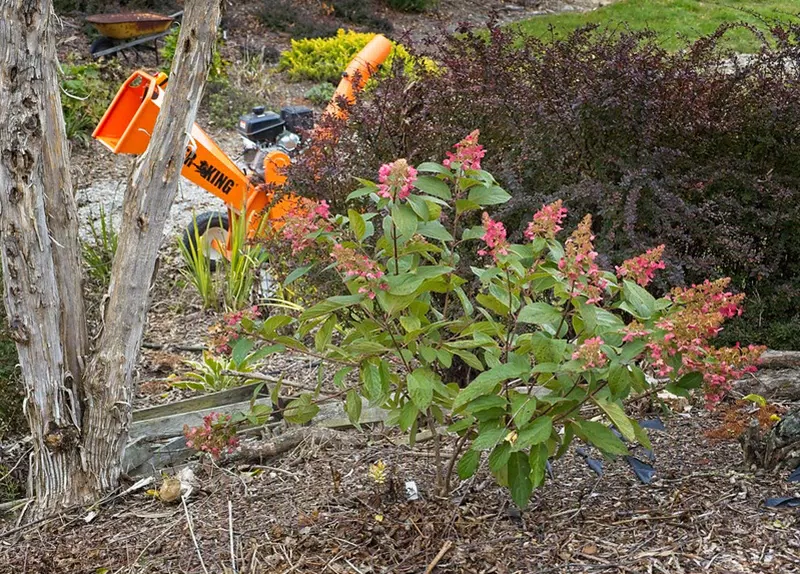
{"x": 176, "y": 15}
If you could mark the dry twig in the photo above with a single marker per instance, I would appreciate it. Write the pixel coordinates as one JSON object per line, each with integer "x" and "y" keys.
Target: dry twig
{"x": 230, "y": 535}
{"x": 445, "y": 547}
{"x": 191, "y": 532}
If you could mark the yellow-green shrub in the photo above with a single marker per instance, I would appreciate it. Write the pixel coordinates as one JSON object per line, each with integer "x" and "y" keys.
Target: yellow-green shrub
{"x": 324, "y": 59}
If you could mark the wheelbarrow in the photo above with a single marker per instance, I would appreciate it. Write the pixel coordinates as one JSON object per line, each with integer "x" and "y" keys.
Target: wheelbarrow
{"x": 136, "y": 27}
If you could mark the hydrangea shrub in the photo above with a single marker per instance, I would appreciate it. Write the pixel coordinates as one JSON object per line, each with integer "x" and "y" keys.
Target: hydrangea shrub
{"x": 554, "y": 342}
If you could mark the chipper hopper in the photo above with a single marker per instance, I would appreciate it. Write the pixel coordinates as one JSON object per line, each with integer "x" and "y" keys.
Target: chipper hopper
{"x": 127, "y": 124}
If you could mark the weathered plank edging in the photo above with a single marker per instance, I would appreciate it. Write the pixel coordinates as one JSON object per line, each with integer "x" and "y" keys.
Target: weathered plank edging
{"x": 202, "y": 402}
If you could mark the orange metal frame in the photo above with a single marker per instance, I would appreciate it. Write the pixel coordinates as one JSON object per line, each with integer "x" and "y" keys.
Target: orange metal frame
{"x": 128, "y": 124}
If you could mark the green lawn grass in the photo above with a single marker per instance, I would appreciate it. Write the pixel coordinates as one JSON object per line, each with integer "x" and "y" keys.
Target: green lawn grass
{"x": 674, "y": 21}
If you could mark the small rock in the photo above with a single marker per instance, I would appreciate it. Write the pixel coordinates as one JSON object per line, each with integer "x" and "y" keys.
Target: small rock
{"x": 170, "y": 490}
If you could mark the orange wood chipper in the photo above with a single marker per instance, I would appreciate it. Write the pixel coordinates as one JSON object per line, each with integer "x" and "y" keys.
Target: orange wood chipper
{"x": 269, "y": 137}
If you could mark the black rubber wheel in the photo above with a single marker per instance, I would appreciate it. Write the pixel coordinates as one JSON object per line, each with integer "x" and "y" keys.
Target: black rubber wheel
{"x": 211, "y": 225}
{"x": 100, "y": 44}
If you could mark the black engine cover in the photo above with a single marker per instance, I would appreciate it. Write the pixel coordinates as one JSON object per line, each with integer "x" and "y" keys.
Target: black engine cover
{"x": 298, "y": 118}
{"x": 261, "y": 126}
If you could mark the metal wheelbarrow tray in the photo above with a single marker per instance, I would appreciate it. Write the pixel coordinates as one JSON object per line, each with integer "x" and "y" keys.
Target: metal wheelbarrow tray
{"x": 137, "y": 28}
{"x": 128, "y": 26}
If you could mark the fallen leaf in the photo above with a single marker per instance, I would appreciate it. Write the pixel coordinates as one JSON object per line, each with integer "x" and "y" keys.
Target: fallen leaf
{"x": 589, "y": 549}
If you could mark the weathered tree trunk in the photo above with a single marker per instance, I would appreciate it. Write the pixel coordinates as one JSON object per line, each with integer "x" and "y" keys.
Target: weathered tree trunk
{"x": 79, "y": 414}
{"x": 152, "y": 187}
{"x": 62, "y": 222}
{"x": 777, "y": 449}
{"x": 31, "y": 179}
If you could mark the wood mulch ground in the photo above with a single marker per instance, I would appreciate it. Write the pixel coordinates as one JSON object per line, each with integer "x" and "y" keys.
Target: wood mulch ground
{"x": 315, "y": 509}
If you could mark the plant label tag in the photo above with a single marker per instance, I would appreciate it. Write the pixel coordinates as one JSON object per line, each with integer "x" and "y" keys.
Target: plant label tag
{"x": 412, "y": 493}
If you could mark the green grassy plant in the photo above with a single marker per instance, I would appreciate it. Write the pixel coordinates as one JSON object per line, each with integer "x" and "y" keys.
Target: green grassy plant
{"x": 197, "y": 270}
{"x": 99, "y": 250}
{"x": 242, "y": 269}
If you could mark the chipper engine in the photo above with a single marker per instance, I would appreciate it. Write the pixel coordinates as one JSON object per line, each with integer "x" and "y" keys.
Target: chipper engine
{"x": 264, "y": 131}
{"x": 270, "y": 139}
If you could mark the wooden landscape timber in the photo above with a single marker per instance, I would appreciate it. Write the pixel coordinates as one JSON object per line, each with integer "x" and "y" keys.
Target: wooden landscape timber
{"x": 156, "y": 433}
{"x": 777, "y": 379}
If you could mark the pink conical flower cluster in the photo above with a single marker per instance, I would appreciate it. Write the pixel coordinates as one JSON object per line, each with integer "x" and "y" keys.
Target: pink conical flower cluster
{"x": 643, "y": 267}
{"x": 494, "y": 237}
{"x": 578, "y": 264}
{"x": 469, "y": 153}
{"x": 726, "y": 366}
{"x": 681, "y": 340}
{"x": 396, "y": 179}
{"x": 354, "y": 265}
{"x": 546, "y": 222}
{"x": 590, "y": 354}
{"x": 306, "y": 218}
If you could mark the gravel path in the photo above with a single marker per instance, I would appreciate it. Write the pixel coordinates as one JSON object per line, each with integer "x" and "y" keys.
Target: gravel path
{"x": 101, "y": 179}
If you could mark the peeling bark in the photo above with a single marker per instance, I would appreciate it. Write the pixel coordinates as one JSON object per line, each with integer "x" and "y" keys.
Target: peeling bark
{"x": 79, "y": 413}
{"x": 151, "y": 191}
{"x": 777, "y": 449}
{"x": 61, "y": 210}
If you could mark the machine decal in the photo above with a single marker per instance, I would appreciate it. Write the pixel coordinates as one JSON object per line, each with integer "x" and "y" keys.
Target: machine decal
{"x": 212, "y": 175}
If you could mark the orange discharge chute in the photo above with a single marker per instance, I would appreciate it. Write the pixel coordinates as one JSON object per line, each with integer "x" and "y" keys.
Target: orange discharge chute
{"x": 128, "y": 123}
{"x": 358, "y": 73}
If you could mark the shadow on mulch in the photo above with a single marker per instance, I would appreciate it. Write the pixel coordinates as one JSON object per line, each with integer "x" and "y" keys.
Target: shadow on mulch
{"x": 316, "y": 510}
